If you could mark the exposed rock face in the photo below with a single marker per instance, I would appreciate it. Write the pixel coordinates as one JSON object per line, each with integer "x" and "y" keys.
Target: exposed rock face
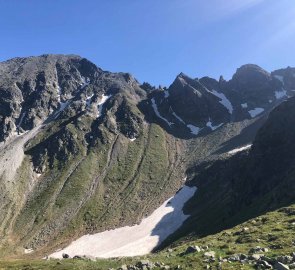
{"x": 194, "y": 103}
{"x": 82, "y": 151}
{"x": 250, "y": 182}
{"x": 208, "y": 104}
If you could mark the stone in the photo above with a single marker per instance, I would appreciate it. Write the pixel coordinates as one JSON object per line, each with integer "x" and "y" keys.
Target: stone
{"x": 285, "y": 259}
{"x": 192, "y": 249}
{"x": 266, "y": 265}
{"x": 209, "y": 254}
{"x": 65, "y": 256}
{"x": 255, "y": 257}
{"x": 123, "y": 267}
{"x": 281, "y": 266}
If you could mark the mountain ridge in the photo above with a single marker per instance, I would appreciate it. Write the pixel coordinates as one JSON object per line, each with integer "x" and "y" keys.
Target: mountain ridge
{"x": 86, "y": 150}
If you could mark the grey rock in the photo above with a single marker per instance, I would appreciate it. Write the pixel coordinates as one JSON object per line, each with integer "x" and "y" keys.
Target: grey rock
{"x": 281, "y": 266}
{"x": 285, "y": 259}
{"x": 209, "y": 254}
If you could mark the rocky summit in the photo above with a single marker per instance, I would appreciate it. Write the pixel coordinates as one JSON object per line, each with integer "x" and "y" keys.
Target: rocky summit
{"x": 86, "y": 152}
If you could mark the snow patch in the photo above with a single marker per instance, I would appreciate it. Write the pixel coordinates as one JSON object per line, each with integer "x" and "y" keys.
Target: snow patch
{"x": 280, "y": 94}
{"x": 280, "y": 78}
{"x": 244, "y": 105}
{"x": 85, "y": 82}
{"x": 194, "y": 130}
{"x": 103, "y": 100}
{"x": 243, "y": 148}
{"x": 28, "y": 250}
{"x": 255, "y": 112}
{"x": 88, "y": 100}
{"x": 166, "y": 94}
{"x": 138, "y": 239}
{"x": 154, "y": 105}
{"x": 209, "y": 124}
{"x": 224, "y": 101}
{"x": 132, "y": 139}
{"x": 62, "y": 107}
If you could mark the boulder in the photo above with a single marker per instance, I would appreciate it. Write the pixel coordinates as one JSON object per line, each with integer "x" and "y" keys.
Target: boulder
{"x": 281, "y": 266}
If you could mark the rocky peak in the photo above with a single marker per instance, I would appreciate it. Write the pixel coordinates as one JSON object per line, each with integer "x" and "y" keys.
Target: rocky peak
{"x": 250, "y": 75}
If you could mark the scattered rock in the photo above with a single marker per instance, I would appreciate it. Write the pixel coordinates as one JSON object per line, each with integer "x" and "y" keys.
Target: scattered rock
{"x": 285, "y": 259}
{"x": 65, "y": 256}
{"x": 209, "y": 254}
{"x": 281, "y": 266}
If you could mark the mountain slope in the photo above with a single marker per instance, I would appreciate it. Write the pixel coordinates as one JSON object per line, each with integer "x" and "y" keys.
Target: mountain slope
{"x": 85, "y": 150}
{"x": 247, "y": 182}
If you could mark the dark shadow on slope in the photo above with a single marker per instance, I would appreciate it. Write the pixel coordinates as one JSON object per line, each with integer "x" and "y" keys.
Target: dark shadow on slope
{"x": 245, "y": 137}
{"x": 173, "y": 220}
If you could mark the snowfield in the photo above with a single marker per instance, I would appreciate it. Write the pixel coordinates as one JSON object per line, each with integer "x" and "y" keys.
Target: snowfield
{"x": 135, "y": 240}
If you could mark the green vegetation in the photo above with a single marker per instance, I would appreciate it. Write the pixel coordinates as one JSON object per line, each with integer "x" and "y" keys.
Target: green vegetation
{"x": 274, "y": 231}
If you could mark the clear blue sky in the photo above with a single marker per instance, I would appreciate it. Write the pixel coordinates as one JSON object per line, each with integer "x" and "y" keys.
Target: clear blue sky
{"x": 154, "y": 39}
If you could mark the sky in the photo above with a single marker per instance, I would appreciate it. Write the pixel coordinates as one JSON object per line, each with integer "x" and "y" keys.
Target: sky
{"x": 154, "y": 39}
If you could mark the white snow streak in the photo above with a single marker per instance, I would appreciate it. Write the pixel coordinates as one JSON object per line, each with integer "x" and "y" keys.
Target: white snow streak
{"x": 136, "y": 240}
{"x": 166, "y": 93}
{"x": 244, "y": 105}
{"x": 280, "y": 78}
{"x": 255, "y": 112}
{"x": 243, "y": 148}
{"x": 62, "y": 107}
{"x": 85, "y": 82}
{"x": 88, "y": 100}
{"x": 154, "y": 105}
{"x": 224, "y": 101}
{"x": 178, "y": 117}
{"x": 103, "y": 100}
{"x": 209, "y": 124}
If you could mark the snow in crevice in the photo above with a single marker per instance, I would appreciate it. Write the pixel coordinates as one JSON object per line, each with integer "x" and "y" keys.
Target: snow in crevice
{"x": 88, "y": 100}
{"x": 132, "y": 139}
{"x": 253, "y": 113}
{"x": 155, "y": 107}
{"x": 209, "y": 124}
{"x": 280, "y": 94}
{"x": 85, "y": 82}
{"x": 178, "y": 117}
{"x": 194, "y": 130}
{"x": 101, "y": 103}
{"x": 166, "y": 94}
{"x": 270, "y": 101}
{"x": 223, "y": 100}
{"x": 134, "y": 240}
{"x": 280, "y": 78}
{"x": 237, "y": 150}
{"x": 62, "y": 107}
{"x": 244, "y": 105}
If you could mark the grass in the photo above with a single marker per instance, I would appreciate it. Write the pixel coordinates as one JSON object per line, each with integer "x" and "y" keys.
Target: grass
{"x": 274, "y": 230}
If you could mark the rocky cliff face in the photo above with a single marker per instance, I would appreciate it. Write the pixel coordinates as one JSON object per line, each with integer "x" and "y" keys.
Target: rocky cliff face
{"x": 84, "y": 150}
